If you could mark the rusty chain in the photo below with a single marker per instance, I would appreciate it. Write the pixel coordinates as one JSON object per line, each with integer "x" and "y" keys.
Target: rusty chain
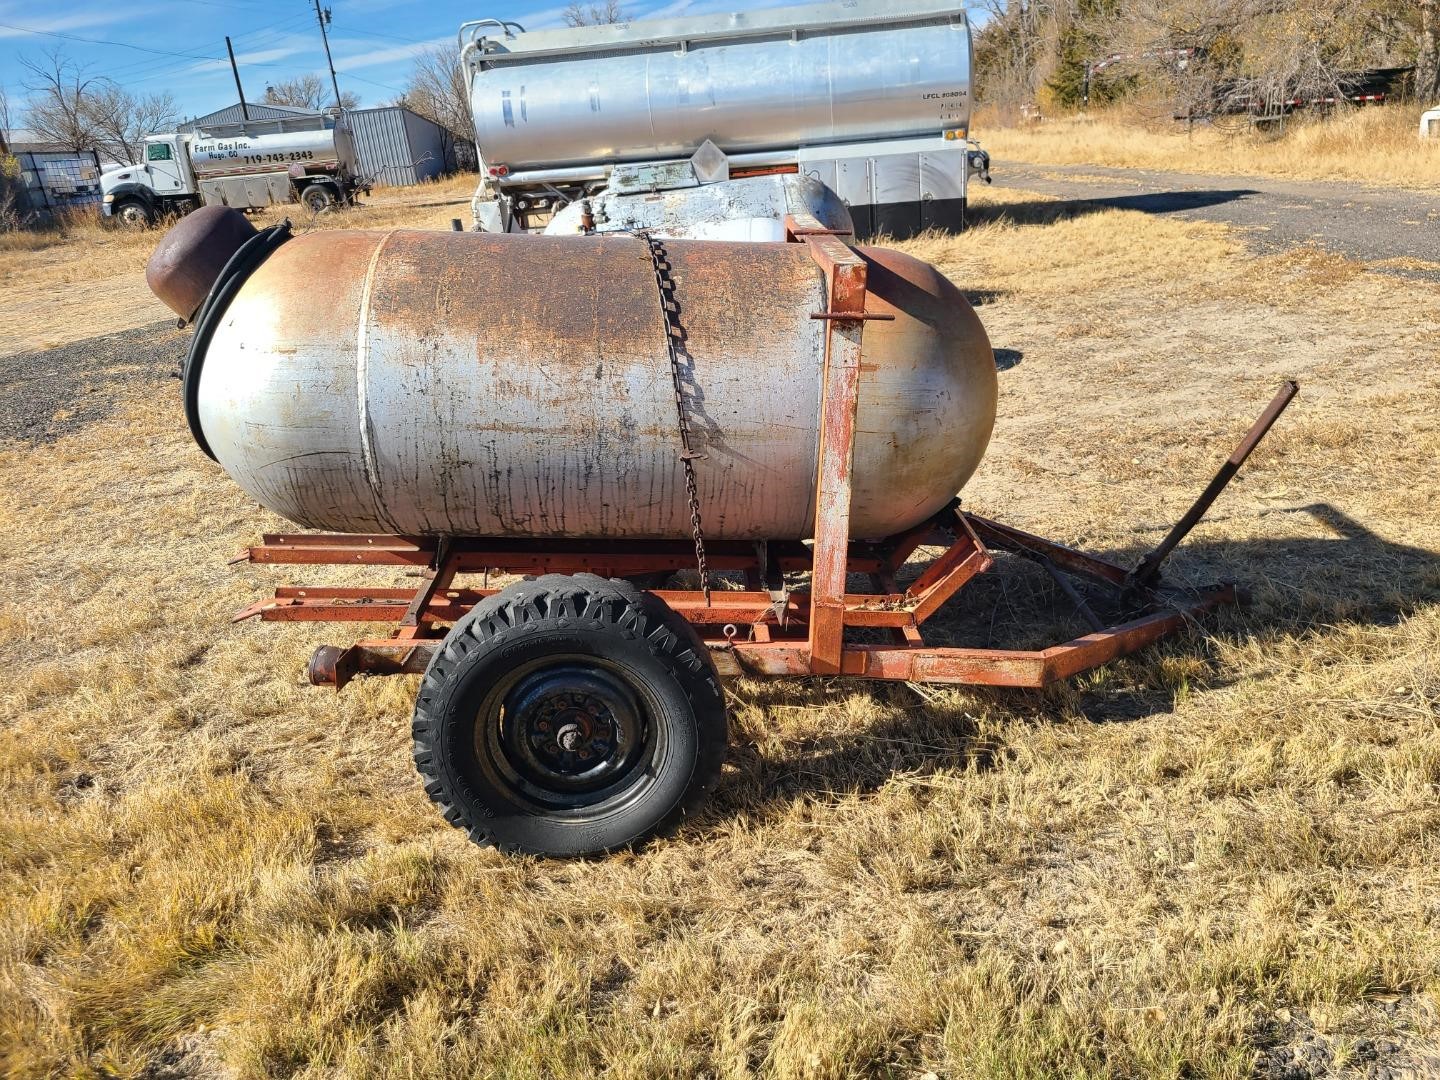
{"x": 670, "y": 312}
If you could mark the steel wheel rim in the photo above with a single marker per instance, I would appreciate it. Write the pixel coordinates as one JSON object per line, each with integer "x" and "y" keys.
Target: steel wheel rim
{"x": 569, "y": 734}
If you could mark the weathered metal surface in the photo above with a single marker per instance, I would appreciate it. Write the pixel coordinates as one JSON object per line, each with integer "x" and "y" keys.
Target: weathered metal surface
{"x": 745, "y": 626}
{"x": 751, "y": 81}
{"x": 752, "y": 208}
{"x": 985, "y": 667}
{"x": 475, "y": 555}
{"x": 511, "y": 386}
{"x": 845, "y": 274}
{"x": 191, "y": 255}
{"x": 333, "y": 666}
{"x": 944, "y": 577}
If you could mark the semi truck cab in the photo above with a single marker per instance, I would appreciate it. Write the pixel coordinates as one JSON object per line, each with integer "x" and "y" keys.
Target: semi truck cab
{"x": 168, "y": 166}
{"x": 163, "y": 182}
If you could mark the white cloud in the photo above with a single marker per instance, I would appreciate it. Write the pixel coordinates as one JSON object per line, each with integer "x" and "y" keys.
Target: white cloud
{"x": 388, "y": 55}
{"x": 78, "y": 21}
{"x": 259, "y": 56}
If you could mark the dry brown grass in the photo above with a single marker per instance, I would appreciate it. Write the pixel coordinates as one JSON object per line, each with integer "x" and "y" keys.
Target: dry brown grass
{"x": 1373, "y": 146}
{"x": 1218, "y": 848}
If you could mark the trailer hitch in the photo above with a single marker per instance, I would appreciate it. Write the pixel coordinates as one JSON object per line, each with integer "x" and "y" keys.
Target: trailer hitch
{"x": 1147, "y": 571}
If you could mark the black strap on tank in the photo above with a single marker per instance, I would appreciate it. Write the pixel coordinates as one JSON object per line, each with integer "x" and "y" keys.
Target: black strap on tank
{"x": 234, "y": 274}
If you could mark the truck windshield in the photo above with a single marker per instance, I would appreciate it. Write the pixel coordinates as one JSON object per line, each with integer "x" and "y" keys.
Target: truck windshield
{"x": 157, "y": 152}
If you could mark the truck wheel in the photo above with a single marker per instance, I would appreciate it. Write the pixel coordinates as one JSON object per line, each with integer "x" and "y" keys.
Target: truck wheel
{"x": 134, "y": 214}
{"x": 318, "y": 198}
{"x": 569, "y": 716}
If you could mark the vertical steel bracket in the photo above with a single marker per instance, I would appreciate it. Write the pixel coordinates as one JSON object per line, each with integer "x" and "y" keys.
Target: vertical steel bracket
{"x": 844, "y": 272}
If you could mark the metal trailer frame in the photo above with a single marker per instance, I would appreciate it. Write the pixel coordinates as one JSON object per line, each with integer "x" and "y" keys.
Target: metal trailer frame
{"x": 768, "y": 628}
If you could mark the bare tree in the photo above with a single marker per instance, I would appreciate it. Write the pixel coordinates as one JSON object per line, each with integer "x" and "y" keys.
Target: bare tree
{"x": 61, "y": 91}
{"x": 1427, "y": 53}
{"x": 9, "y": 170}
{"x": 438, "y": 90}
{"x": 610, "y": 11}
{"x": 4, "y": 122}
{"x": 307, "y": 92}
{"x": 1015, "y": 53}
{"x": 122, "y": 120}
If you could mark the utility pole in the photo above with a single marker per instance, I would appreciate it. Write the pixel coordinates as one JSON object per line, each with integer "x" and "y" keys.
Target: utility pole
{"x": 323, "y": 18}
{"x": 244, "y": 109}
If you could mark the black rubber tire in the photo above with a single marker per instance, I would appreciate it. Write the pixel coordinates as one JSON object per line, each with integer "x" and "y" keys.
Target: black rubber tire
{"x": 583, "y": 622}
{"x": 317, "y": 198}
{"x": 133, "y": 214}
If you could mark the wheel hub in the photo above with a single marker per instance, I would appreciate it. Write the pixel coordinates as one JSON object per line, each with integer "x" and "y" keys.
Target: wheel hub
{"x": 570, "y": 728}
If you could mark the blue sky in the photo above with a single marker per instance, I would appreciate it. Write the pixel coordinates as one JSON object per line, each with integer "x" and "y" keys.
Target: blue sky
{"x": 178, "y": 46}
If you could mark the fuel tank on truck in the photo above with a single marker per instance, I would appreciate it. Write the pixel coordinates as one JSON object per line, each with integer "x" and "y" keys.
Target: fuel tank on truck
{"x": 429, "y": 383}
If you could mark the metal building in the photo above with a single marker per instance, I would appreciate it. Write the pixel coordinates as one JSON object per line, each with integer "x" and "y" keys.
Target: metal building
{"x": 394, "y": 145}
{"x": 233, "y": 114}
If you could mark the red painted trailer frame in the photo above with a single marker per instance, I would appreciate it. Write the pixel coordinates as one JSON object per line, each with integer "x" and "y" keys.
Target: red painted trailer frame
{"x": 768, "y": 628}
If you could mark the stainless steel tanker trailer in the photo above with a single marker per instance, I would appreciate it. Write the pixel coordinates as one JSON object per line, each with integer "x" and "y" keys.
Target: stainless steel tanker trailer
{"x": 783, "y": 421}
{"x": 621, "y": 124}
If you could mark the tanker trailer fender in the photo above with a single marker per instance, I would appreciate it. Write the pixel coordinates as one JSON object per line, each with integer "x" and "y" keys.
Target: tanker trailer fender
{"x": 569, "y": 715}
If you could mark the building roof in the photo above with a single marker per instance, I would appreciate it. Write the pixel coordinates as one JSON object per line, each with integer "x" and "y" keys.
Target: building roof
{"x": 232, "y": 114}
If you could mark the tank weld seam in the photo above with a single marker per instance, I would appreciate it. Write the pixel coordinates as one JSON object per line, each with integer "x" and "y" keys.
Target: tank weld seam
{"x": 369, "y": 464}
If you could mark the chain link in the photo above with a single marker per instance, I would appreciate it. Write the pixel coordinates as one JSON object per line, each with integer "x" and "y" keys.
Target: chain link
{"x": 670, "y": 311}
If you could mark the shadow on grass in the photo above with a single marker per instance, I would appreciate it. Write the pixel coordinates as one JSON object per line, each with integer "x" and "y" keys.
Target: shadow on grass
{"x": 1354, "y": 577}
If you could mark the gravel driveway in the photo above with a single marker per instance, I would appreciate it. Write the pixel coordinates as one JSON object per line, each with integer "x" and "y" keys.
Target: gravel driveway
{"x": 1368, "y": 224}
{"x": 52, "y": 392}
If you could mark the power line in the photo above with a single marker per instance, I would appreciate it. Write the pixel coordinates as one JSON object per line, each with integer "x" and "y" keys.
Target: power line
{"x": 102, "y": 41}
{"x": 372, "y": 82}
{"x": 268, "y": 30}
{"x": 322, "y": 19}
{"x": 387, "y": 37}
{"x": 144, "y": 70}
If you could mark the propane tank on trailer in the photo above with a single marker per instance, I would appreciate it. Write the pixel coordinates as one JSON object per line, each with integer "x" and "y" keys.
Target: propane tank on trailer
{"x": 471, "y": 384}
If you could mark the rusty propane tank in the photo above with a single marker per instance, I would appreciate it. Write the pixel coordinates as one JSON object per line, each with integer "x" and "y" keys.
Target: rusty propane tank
{"x": 441, "y": 383}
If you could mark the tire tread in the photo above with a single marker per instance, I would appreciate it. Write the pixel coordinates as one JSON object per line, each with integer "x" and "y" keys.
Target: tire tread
{"x": 607, "y": 602}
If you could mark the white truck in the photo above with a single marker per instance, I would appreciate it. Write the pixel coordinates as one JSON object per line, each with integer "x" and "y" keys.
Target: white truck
{"x": 247, "y": 165}
{"x": 725, "y": 123}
